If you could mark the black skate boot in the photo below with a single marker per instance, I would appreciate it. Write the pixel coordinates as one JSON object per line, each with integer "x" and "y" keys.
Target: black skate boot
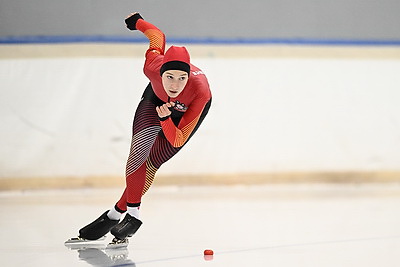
{"x": 126, "y": 228}
{"x": 97, "y": 228}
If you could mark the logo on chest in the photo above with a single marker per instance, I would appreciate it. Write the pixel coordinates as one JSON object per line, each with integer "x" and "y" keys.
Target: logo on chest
{"x": 180, "y": 106}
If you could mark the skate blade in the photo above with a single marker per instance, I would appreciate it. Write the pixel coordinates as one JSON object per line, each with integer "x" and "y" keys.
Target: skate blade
{"x": 118, "y": 244}
{"x": 81, "y": 243}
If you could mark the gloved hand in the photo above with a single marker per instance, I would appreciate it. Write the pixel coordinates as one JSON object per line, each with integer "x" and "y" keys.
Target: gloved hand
{"x": 131, "y": 20}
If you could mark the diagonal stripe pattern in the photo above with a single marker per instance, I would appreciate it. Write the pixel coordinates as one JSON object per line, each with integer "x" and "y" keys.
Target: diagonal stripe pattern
{"x": 140, "y": 148}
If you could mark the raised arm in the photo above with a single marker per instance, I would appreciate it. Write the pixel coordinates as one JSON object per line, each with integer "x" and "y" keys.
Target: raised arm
{"x": 156, "y": 36}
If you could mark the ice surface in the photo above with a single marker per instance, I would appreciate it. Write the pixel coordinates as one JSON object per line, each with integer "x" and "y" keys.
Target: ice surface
{"x": 271, "y": 225}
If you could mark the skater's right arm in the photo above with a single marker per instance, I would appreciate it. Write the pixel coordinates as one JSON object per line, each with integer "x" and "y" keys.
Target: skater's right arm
{"x": 156, "y": 36}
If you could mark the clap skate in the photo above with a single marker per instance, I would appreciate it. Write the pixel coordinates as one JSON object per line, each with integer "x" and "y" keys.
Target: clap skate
{"x": 118, "y": 243}
{"x": 126, "y": 228}
{"x": 93, "y": 234}
{"x": 82, "y": 243}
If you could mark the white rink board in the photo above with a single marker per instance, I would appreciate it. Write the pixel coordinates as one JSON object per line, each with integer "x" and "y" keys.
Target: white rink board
{"x": 72, "y": 116}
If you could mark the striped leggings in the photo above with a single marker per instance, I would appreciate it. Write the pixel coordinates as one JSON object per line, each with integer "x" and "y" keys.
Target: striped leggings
{"x": 149, "y": 150}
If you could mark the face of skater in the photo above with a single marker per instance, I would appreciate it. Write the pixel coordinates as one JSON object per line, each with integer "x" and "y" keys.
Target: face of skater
{"x": 174, "y": 81}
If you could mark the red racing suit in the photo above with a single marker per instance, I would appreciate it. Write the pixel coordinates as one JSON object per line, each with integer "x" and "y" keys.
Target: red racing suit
{"x": 155, "y": 140}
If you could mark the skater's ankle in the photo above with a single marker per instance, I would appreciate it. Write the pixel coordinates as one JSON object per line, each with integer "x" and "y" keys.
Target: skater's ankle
{"x": 134, "y": 212}
{"x": 114, "y": 214}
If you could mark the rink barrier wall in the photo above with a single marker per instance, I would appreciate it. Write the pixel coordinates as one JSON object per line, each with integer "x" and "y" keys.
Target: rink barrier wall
{"x": 327, "y": 177}
{"x": 206, "y": 51}
{"x": 60, "y": 39}
{"x": 78, "y": 50}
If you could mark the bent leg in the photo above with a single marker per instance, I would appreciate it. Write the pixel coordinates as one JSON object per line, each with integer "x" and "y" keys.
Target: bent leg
{"x": 145, "y": 129}
{"x": 160, "y": 153}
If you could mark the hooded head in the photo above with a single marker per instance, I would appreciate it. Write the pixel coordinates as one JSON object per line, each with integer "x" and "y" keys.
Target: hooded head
{"x": 176, "y": 58}
{"x": 175, "y": 70}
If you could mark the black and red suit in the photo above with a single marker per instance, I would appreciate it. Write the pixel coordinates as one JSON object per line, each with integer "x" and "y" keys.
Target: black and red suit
{"x": 155, "y": 140}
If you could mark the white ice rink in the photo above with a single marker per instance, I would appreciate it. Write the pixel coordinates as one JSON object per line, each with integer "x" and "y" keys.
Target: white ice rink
{"x": 271, "y": 225}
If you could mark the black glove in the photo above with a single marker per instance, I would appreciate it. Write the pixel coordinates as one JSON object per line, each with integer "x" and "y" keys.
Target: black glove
{"x": 166, "y": 117}
{"x": 131, "y": 21}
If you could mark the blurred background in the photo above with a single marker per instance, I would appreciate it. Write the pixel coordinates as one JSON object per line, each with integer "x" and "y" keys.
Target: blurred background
{"x": 302, "y": 90}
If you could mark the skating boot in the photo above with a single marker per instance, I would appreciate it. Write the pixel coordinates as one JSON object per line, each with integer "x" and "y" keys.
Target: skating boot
{"x": 126, "y": 228}
{"x": 98, "y": 228}
{"x": 94, "y": 231}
